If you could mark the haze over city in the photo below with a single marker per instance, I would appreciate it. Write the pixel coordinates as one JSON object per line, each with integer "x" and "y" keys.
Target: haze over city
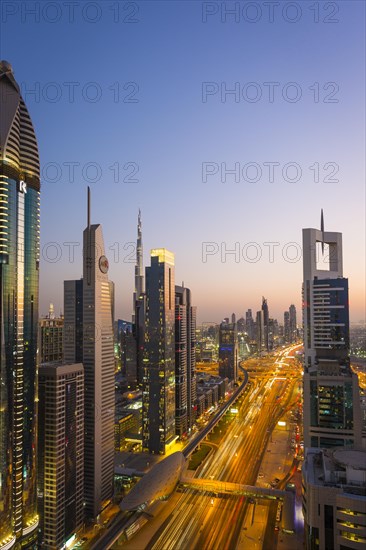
{"x": 141, "y": 110}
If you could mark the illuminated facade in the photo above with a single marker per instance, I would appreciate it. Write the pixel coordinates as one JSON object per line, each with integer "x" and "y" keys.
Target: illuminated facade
{"x": 98, "y": 361}
{"x": 332, "y": 415}
{"x": 61, "y": 453}
{"x": 51, "y": 334}
{"x": 334, "y": 499}
{"x": 158, "y": 393}
{"x": 228, "y": 351}
{"x": 185, "y": 360}
{"x": 139, "y": 299}
{"x": 19, "y": 270}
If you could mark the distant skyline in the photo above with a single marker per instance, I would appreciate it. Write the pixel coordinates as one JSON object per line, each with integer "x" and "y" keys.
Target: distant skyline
{"x": 137, "y": 100}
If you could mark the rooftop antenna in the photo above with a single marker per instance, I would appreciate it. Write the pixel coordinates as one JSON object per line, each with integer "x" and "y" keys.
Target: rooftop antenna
{"x": 322, "y": 229}
{"x": 88, "y": 212}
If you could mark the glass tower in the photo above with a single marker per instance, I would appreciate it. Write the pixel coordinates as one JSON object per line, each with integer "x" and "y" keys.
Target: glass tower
{"x": 19, "y": 265}
{"x": 332, "y": 414}
{"x": 158, "y": 394}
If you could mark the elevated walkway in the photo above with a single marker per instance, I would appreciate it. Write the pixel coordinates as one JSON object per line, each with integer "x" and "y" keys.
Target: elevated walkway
{"x": 225, "y": 487}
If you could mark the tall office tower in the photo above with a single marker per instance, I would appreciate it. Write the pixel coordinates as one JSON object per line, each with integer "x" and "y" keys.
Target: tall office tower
{"x": 51, "y": 335}
{"x": 286, "y": 326}
{"x": 181, "y": 367}
{"x": 293, "y": 324}
{"x": 228, "y": 351}
{"x": 139, "y": 300}
{"x": 158, "y": 391}
{"x": 332, "y": 415}
{"x": 260, "y": 331}
{"x": 265, "y": 323}
{"x": 73, "y": 321}
{"x": 98, "y": 360}
{"x": 19, "y": 265}
{"x": 233, "y": 318}
{"x": 128, "y": 347}
{"x": 61, "y": 453}
{"x": 249, "y": 324}
{"x": 185, "y": 359}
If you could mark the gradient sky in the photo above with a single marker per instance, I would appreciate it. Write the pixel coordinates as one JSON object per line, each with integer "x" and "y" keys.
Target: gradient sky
{"x": 169, "y": 132}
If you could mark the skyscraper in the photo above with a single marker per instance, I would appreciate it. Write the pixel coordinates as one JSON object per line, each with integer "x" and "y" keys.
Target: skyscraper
{"x": 61, "y": 452}
{"x": 73, "y": 321}
{"x": 19, "y": 265}
{"x": 259, "y": 325}
{"x": 265, "y": 323}
{"x": 249, "y": 324}
{"x": 185, "y": 359}
{"x": 158, "y": 392}
{"x": 286, "y": 326}
{"x": 98, "y": 360}
{"x": 228, "y": 351}
{"x": 139, "y": 305}
{"x": 293, "y": 325}
{"x": 332, "y": 414}
{"x": 51, "y": 333}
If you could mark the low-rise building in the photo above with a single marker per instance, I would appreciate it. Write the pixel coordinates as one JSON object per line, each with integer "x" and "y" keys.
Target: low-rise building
{"x": 334, "y": 499}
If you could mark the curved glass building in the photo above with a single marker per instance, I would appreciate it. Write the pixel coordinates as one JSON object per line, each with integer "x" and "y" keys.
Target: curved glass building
{"x": 19, "y": 265}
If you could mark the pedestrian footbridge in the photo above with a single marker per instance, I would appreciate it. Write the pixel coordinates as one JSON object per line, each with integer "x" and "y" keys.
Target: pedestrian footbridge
{"x": 224, "y": 487}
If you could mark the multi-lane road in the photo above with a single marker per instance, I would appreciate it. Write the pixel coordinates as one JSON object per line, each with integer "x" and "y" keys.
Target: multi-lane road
{"x": 201, "y": 521}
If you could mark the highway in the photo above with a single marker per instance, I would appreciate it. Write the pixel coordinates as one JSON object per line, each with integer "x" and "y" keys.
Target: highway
{"x": 201, "y": 521}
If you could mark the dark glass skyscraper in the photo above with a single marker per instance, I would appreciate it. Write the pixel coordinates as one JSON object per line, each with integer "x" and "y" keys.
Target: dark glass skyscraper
{"x": 185, "y": 360}
{"x": 158, "y": 390}
{"x": 228, "y": 351}
{"x": 19, "y": 265}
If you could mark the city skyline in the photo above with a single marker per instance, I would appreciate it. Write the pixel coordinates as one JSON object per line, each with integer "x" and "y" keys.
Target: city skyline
{"x": 156, "y": 133}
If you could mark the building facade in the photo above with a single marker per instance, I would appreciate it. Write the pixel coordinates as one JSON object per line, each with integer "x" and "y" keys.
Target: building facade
{"x": 73, "y": 321}
{"x": 51, "y": 338}
{"x": 185, "y": 360}
{"x": 332, "y": 415}
{"x": 158, "y": 392}
{"x": 228, "y": 351}
{"x": 98, "y": 361}
{"x": 334, "y": 499}
{"x": 61, "y": 453}
{"x": 19, "y": 282}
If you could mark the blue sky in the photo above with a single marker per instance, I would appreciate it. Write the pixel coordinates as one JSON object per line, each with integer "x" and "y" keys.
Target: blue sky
{"x": 161, "y": 61}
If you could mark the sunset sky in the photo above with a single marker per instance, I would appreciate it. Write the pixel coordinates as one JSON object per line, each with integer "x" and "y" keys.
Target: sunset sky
{"x": 120, "y": 98}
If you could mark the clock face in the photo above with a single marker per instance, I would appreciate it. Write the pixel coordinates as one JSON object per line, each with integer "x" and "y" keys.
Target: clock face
{"x": 103, "y": 264}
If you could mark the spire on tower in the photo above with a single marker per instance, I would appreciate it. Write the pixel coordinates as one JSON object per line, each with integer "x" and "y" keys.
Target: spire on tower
{"x": 322, "y": 228}
{"x": 88, "y": 208}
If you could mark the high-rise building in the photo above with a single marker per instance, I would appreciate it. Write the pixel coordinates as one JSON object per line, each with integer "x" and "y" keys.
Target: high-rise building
{"x": 61, "y": 453}
{"x": 332, "y": 414}
{"x": 259, "y": 325}
{"x": 228, "y": 351}
{"x": 98, "y": 360}
{"x": 19, "y": 276}
{"x": 293, "y": 325}
{"x": 265, "y": 323}
{"x": 185, "y": 360}
{"x": 51, "y": 336}
{"x": 233, "y": 318}
{"x": 73, "y": 321}
{"x": 158, "y": 392}
{"x": 250, "y": 324}
{"x": 139, "y": 299}
{"x": 286, "y": 326}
